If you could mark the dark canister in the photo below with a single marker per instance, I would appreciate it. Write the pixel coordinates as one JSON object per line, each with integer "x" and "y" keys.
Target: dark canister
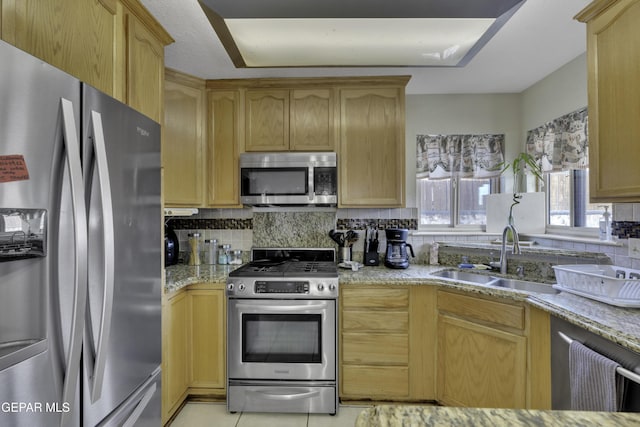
{"x": 171, "y": 246}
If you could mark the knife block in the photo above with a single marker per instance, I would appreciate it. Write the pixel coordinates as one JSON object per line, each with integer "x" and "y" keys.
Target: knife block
{"x": 371, "y": 258}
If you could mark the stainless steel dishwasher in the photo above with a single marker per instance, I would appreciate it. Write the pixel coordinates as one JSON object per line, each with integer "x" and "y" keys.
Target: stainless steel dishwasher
{"x": 561, "y": 393}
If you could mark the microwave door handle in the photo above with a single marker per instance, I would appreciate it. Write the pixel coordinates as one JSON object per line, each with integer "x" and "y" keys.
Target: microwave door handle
{"x": 72, "y": 152}
{"x": 312, "y": 191}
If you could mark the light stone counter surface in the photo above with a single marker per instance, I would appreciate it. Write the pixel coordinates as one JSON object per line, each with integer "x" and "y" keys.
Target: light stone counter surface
{"x": 415, "y": 416}
{"x": 621, "y": 325}
{"x": 179, "y": 276}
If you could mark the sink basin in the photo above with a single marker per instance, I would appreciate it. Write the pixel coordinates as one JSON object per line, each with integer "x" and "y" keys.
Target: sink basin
{"x": 523, "y": 285}
{"x": 463, "y": 276}
{"x": 484, "y": 279}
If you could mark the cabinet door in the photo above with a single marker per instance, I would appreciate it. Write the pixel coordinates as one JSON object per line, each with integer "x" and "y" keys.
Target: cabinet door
{"x": 77, "y": 36}
{"x": 175, "y": 361}
{"x": 182, "y": 145}
{"x": 222, "y": 148}
{"x": 479, "y": 366}
{"x": 372, "y": 147}
{"x": 613, "y": 42}
{"x": 145, "y": 69}
{"x": 312, "y": 120}
{"x": 207, "y": 338}
{"x": 267, "y": 120}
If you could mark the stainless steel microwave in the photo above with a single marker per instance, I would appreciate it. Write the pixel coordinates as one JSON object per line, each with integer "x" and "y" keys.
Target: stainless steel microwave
{"x": 281, "y": 179}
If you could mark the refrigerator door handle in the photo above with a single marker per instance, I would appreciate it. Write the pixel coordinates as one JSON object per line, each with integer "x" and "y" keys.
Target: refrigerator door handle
{"x": 140, "y": 407}
{"x": 96, "y": 372}
{"x": 72, "y": 152}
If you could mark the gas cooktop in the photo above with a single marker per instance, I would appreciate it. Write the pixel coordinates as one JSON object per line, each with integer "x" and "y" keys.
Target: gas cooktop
{"x": 286, "y": 273}
{"x": 289, "y": 263}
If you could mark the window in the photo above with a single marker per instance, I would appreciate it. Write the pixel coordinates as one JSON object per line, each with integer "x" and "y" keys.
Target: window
{"x": 568, "y": 200}
{"x": 454, "y": 201}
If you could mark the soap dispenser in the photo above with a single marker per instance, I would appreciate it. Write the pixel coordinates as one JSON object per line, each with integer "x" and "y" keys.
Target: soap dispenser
{"x": 605, "y": 224}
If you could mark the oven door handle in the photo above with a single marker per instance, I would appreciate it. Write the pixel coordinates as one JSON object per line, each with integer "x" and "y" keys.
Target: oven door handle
{"x": 274, "y": 395}
{"x": 272, "y": 308}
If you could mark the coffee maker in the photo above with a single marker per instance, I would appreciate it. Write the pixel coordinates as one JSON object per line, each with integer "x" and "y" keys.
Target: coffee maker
{"x": 396, "y": 255}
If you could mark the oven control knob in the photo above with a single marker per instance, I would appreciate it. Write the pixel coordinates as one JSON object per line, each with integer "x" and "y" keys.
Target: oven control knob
{"x": 230, "y": 286}
{"x": 241, "y": 287}
{"x": 321, "y": 286}
{"x": 332, "y": 287}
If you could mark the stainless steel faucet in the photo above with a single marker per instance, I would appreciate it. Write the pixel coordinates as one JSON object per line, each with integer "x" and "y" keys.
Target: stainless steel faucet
{"x": 502, "y": 264}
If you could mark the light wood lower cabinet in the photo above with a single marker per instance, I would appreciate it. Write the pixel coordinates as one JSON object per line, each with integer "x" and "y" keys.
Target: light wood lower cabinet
{"x": 207, "y": 323}
{"x": 384, "y": 354}
{"x": 193, "y": 345}
{"x": 485, "y": 350}
{"x": 175, "y": 355}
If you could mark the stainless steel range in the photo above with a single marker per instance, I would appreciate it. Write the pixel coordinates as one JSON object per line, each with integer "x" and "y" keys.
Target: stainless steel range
{"x": 282, "y": 332}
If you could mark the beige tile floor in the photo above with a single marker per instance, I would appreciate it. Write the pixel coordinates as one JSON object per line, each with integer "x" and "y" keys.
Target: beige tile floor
{"x": 203, "y": 414}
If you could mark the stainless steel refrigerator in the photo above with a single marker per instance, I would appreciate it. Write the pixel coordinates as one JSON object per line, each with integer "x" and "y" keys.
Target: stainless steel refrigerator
{"x": 80, "y": 252}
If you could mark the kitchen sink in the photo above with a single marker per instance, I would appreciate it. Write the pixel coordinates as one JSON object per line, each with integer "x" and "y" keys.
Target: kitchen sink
{"x": 463, "y": 276}
{"x": 523, "y": 285}
{"x": 484, "y": 279}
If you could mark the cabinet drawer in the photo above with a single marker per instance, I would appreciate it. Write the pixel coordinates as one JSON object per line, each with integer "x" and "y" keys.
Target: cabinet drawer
{"x": 487, "y": 311}
{"x": 383, "y": 382}
{"x": 383, "y": 349}
{"x": 375, "y": 321}
{"x": 375, "y": 298}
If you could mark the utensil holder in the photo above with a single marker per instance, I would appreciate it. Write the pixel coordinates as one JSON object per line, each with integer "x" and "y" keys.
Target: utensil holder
{"x": 344, "y": 254}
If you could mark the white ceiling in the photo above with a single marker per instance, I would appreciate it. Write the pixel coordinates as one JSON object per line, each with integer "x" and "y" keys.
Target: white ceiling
{"x": 541, "y": 37}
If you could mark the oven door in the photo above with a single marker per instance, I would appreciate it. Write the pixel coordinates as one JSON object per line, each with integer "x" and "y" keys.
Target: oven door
{"x": 281, "y": 339}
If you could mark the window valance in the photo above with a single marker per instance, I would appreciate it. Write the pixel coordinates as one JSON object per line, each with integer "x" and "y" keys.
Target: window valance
{"x": 442, "y": 156}
{"x": 561, "y": 144}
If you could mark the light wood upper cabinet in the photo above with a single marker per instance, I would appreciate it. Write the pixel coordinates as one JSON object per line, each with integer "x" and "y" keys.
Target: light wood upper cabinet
{"x": 116, "y": 46}
{"x": 145, "y": 68}
{"x": 290, "y": 119}
{"x": 312, "y": 120}
{"x": 77, "y": 36}
{"x": 223, "y": 145}
{"x": 372, "y": 147}
{"x": 267, "y": 119}
{"x": 183, "y": 141}
{"x": 613, "y": 43}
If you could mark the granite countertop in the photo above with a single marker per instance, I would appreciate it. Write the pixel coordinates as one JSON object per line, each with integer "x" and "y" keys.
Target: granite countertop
{"x": 413, "y": 415}
{"x": 620, "y": 325}
{"x": 181, "y": 275}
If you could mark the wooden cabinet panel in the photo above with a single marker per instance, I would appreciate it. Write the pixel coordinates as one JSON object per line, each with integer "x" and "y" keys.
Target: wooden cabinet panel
{"x": 222, "y": 148}
{"x": 376, "y": 320}
{"x": 376, "y": 355}
{"x": 382, "y": 382}
{"x": 613, "y": 42}
{"x": 372, "y": 147}
{"x": 360, "y": 297}
{"x": 374, "y": 348}
{"x": 480, "y": 366}
{"x": 312, "y": 120}
{"x": 207, "y": 338}
{"x": 175, "y": 354}
{"x": 182, "y": 145}
{"x": 267, "y": 120}
{"x": 77, "y": 36}
{"x": 145, "y": 70}
{"x": 483, "y": 310}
